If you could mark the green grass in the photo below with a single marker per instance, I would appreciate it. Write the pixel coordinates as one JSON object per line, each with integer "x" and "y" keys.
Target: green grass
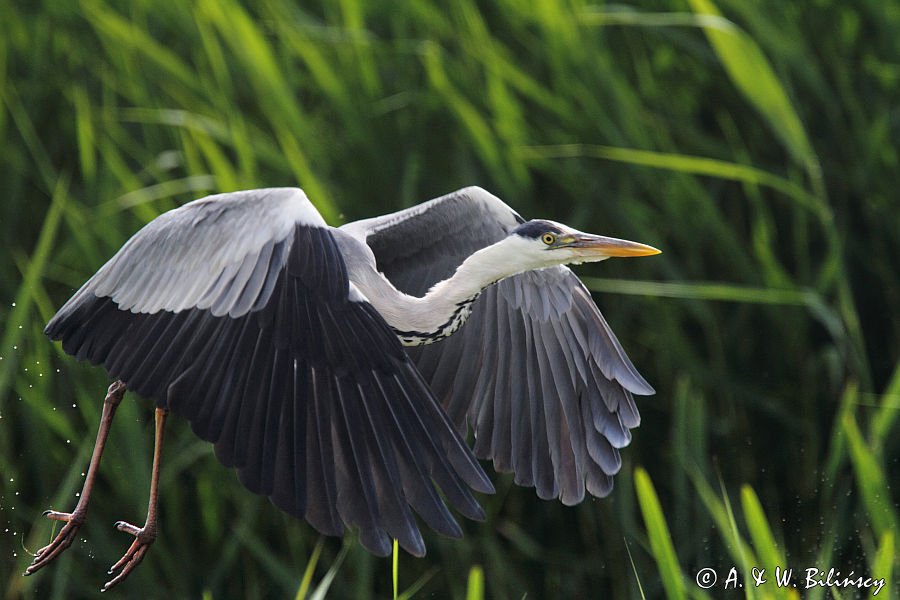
{"x": 753, "y": 142}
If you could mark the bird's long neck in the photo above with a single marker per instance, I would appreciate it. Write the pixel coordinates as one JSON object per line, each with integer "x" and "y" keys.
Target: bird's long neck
{"x": 447, "y": 305}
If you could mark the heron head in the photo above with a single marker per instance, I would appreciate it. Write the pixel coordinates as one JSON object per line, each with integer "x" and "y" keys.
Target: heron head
{"x": 551, "y": 243}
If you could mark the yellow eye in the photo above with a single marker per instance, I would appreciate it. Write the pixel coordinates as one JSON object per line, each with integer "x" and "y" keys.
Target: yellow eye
{"x": 548, "y": 238}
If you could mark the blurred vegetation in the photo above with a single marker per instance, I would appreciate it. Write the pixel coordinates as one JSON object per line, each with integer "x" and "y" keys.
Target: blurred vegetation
{"x": 756, "y": 143}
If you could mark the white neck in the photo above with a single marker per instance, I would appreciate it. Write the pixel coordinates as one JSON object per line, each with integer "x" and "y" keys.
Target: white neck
{"x": 446, "y": 305}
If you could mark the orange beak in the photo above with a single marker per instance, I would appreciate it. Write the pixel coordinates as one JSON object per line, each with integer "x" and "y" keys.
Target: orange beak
{"x": 598, "y": 245}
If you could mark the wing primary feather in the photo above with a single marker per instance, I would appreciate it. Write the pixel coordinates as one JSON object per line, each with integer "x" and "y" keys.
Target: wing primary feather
{"x": 414, "y": 471}
{"x": 197, "y": 393}
{"x": 104, "y": 322}
{"x": 444, "y": 460}
{"x": 281, "y": 312}
{"x": 568, "y": 398}
{"x": 256, "y": 437}
{"x": 543, "y": 448}
{"x": 357, "y": 504}
{"x": 200, "y": 336}
{"x": 501, "y": 445}
{"x": 241, "y": 395}
{"x": 125, "y": 353}
{"x": 211, "y": 382}
{"x": 469, "y": 360}
{"x": 166, "y": 363}
{"x": 455, "y": 448}
{"x": 562, "y": 434}
{"x": 601, "y": 451}
{"x": 321, "y": 511}
{"x": 609, "y": 423}
{"x": 484, "y": 418}
{"x": 286, "y": 494}
{"x": 157, "y": 348}
{"x": 393, "y": 507}
{"x": 605, "y": 348}
{"x": 520, "y": 432}
{"x": 271, "y": 436}
{"x": 533, "y": 447}
{"x": 446, "y": 376}
{"x": 628, "y": 411}
{"x": 301, "y": 427}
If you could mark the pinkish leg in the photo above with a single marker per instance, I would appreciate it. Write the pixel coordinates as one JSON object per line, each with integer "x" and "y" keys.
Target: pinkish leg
{"x": 76, "y": 518}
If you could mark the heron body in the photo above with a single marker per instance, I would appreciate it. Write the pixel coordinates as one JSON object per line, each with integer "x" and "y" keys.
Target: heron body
{"x": 338, "y": 370}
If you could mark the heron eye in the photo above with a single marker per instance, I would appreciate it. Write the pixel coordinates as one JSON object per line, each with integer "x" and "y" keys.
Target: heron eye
{"x": 548, "y": 238}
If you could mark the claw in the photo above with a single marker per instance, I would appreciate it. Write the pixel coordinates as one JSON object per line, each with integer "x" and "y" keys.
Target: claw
{"x": 63, "y": 539}
{"x": 143, "y": 538}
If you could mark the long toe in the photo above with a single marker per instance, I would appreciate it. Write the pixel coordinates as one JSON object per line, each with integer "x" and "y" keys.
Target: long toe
{"x": 63, "y": 539}
{"x": 143, "y": 538}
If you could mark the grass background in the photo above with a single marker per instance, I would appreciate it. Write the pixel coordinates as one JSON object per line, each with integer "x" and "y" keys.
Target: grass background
{"x": 756, "y": 143}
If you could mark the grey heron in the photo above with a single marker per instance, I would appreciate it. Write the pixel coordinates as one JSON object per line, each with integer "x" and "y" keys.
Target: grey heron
{"x": 339, "y": 369}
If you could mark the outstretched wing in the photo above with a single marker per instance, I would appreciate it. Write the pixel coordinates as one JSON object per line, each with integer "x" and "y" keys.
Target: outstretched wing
{"x": 536, "y": 371}
{"x": 235, "y": 311}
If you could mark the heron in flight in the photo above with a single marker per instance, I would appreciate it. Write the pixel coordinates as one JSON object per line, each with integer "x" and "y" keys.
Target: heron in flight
{"x": 339, "y": 369}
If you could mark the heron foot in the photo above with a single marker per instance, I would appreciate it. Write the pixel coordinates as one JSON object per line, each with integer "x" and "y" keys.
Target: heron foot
{"x": 73, "y": 521}
{"x": 143, "y": 539}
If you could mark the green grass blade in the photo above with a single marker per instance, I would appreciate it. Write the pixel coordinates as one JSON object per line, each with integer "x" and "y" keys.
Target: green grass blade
{"x": 310, "y": 570}
{"x": 888, "y": 412}
{"x": 752, "y": 74}
{"x": 682, "y": 163}
{"x": 883, "y": 565}
{"x": 14, "y": 326}
{"x": 321, "y": 590}
{"x": 637, "y": 576}
{"x": 626, "y": 16}
{"x": 726, "y": 524}
{"x": 659, "y": 536}
{"x": 724, "y": 292}
{"x": 871, "y": 479}
{"x": 412, "y": 590}
{"x": 763, "y": 541}
{"x": 395, "y": 559}
{"x": 130, "y": 36}
{"x": 475, "y": 586}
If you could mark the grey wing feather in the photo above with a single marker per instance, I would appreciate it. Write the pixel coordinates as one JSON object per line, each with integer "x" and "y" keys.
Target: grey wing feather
{"x": 300, "y": 386}
{"x": 535, "y": 372}
{"x": 226, "y": 268}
